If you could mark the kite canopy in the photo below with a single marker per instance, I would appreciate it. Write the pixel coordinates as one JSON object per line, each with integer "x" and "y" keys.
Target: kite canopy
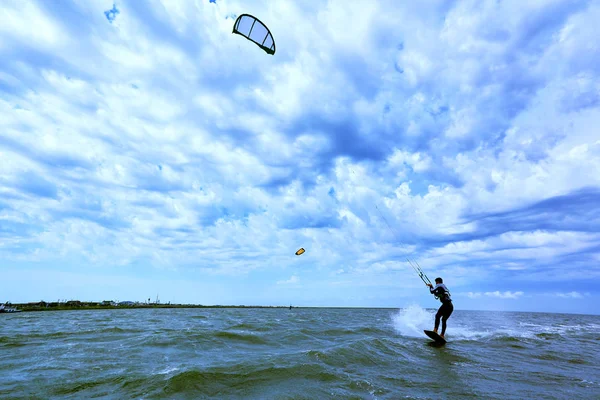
{"x": 300, "y": 251}
{"x": 253, "y": 29}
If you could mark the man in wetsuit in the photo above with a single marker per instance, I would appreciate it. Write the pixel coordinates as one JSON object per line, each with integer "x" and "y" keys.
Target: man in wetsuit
{"x": 441, "y": 291}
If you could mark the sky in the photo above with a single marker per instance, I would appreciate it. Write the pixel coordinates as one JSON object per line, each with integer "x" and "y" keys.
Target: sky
{"x": 147, "y": 151}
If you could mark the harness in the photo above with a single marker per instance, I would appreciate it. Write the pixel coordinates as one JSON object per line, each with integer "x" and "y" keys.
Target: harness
{"x": 445, "y": 296}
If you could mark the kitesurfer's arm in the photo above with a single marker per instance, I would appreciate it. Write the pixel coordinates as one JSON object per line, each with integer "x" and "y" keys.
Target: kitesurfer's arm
{"x": 437, "y": 290}
{"x": 431, "y": 290}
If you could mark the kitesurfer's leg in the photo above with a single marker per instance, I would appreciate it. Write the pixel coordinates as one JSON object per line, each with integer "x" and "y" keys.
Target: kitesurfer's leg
{"x": 448, "y": 308}
{"x": 438, "y": 315}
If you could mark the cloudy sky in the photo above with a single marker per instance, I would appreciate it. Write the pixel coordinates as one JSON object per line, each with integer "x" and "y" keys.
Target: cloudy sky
{"x": 146, "y": 150}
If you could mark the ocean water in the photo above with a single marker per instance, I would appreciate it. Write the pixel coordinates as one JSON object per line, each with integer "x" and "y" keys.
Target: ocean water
{"x": 297, "y": 354}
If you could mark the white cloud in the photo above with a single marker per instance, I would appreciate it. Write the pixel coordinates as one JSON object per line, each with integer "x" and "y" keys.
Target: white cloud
{"x": 17, "y": 19}
{"x": 496, "y": 294}
{"x": 293, "y": 279}
{"x": 185, "y": 146}
{"x": 571, "y": 295}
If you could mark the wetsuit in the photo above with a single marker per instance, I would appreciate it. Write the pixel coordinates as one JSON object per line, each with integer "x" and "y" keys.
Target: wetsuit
{"x": 441, "y": 291}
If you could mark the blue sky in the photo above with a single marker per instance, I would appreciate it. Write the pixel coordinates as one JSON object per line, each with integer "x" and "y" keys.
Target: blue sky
{"x": 145, "y": 149}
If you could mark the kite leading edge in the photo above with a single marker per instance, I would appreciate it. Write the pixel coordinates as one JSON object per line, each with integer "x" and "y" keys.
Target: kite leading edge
{"x": 254, "y": 30}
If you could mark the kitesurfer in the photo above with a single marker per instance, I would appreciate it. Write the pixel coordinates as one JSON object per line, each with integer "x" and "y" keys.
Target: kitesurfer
{"x": 441, "y": 292}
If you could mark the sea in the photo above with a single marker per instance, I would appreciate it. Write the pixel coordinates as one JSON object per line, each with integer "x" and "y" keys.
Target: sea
{"x": 302, "y": 353}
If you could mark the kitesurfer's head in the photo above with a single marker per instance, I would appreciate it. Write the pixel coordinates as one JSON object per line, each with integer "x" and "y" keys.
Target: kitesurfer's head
{"x": 439, "y": 280}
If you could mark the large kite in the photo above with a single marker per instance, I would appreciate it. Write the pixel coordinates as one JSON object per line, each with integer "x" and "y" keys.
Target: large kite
{"x": 254, "y": 30}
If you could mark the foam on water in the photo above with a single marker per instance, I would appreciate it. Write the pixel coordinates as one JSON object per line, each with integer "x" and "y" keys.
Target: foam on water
{"x": 412, "y": 320}
{"x": 167, "y": 370}
{"x": 462, "y": 330}
{"x": 558, "y": 328}
{"x": 458, "y": 330}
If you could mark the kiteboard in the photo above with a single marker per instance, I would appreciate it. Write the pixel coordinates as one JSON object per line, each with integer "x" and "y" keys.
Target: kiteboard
{"x": 435, "y": 336}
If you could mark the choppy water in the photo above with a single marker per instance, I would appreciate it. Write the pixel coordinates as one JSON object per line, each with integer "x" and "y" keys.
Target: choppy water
{"x": 296, "y": 354}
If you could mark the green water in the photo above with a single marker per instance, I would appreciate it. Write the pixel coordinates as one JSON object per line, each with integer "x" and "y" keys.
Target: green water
{"x": 296, "y": 354}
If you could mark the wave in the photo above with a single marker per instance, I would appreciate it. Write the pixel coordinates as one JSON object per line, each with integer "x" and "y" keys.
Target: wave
{"x": 8, "y": 342}
{"x": 239, "y": 337}
{"x": 342, "y": 332}
{"x": 68, "y": 334}
{"x": 344, "y": 356}
{"x": 219, "y": 381}
{"x": 72, "y": 388}
{"x": 251, "y": 327}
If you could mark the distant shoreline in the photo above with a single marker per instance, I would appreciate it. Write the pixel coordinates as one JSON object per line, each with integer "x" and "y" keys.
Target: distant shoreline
{"x": 39, "y": 308}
